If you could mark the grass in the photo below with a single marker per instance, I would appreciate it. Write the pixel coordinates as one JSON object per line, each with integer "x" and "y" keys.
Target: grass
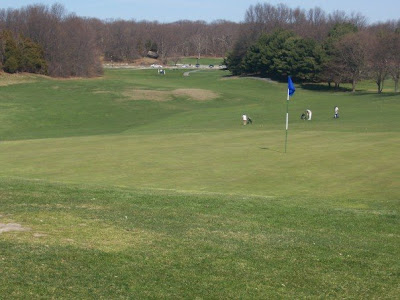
{"x": 216, "y": 61}
{"x": 127, "y": 198}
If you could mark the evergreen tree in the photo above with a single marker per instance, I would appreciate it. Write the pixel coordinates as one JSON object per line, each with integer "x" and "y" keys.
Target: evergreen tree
{"x": 32, "y": 57}
{"x": 12, "y": 54}
{"x": 283, "y": 53}
{"x": 21, "y": 54}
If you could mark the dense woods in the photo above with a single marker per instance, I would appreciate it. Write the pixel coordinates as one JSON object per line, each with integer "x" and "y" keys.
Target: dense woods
{"x": 273, "y": 41}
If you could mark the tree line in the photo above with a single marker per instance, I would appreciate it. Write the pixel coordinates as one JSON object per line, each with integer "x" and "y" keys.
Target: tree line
{"x": 311, "y": 46}
{"x": 76, "y": 46}
{"x": 68, "y": 42}
{"x": 273, "y": 41}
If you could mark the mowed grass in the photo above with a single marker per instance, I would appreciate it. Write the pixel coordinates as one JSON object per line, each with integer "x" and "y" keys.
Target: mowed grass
{"x": 124, "y": 198}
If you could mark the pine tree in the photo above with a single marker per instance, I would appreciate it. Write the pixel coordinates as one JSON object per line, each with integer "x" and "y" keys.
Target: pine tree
{"x": 12, "y": 54}
{"x": 32, "y": 57}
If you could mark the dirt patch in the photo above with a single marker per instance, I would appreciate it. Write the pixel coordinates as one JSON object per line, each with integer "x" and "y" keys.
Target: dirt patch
{"x": 12, "y": 227}
{"x": 194, "y": 94}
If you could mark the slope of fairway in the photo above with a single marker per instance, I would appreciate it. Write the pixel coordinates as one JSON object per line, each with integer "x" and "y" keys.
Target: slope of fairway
{"x": 184, "y": 143}
{"x": 61, "y": 108}
{"x": 136, "y": 186}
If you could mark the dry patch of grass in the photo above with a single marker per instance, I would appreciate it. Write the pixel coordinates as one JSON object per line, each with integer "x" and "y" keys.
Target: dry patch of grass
{"x": 7, "y": 79}
{"x": 194, "y": 94}
{"x": 103, "y": 92}
{"x": 148, "y": 95}
{"x": 10, "y": 79}
{"x": 12, "y": 227}
{"x": 59, "y": 227}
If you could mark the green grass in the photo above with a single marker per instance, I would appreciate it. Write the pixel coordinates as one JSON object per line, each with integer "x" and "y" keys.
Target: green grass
{"x": 216, "y": 61}
{"x": 176, "y": 199}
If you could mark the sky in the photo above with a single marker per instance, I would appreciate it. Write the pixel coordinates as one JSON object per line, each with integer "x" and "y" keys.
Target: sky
{"x": 166, "y": 11}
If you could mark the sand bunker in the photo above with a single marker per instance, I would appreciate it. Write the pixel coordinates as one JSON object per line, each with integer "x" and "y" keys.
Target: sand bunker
{"x": 194, "y": 94}
{"x": 12, "y": 227}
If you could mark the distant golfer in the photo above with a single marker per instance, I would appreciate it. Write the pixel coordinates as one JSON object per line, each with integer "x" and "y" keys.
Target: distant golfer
{"x": 336, "y": 115}
{"x": 309, "y": 114}
{"x": 244, "y": 119}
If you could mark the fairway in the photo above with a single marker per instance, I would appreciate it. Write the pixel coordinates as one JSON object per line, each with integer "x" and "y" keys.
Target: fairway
{"x": 137, "y": 185}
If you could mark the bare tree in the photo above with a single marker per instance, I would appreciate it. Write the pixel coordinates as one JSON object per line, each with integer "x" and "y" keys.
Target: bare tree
{"x": 378, "y": 56}
{"x": 68, "y": 42}
{"x": 394, "y": 59}
{"x": 351, "y": 56}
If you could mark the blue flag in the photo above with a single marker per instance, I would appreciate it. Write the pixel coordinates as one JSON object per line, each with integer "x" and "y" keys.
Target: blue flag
{"x": 291, "y": 87}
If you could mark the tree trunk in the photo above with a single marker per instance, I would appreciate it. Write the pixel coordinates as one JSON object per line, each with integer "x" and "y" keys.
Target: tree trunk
{"x": 380, "y": 86}
{"x": 353, "y": 85}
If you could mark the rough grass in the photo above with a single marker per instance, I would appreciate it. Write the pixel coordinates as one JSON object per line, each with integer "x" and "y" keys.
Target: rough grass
{"x": 102, "y": 243}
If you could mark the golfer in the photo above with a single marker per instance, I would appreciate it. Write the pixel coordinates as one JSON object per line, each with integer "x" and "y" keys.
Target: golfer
{"x": 336, "y": 115}
{"x": 309, "y": 114}
{"x": 244, "y": 119}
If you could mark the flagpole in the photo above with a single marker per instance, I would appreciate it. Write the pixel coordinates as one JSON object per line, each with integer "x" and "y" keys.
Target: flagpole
{"x": 287, "y": 118}
{"x": 290, "y": 92}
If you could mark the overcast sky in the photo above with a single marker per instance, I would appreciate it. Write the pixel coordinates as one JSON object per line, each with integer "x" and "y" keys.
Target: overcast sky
{"x": 166, "y": 11}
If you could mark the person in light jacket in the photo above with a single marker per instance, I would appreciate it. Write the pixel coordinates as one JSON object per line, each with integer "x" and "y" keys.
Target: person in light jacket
{"x": 309, "y": 114}
{"x": 336, "y": 115}
{"x": 244, "y": 119}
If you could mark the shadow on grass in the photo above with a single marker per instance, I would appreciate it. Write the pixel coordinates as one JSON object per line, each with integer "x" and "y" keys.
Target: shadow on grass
{"x": 269, "y": 149}
{"x": 323, "y": 88}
